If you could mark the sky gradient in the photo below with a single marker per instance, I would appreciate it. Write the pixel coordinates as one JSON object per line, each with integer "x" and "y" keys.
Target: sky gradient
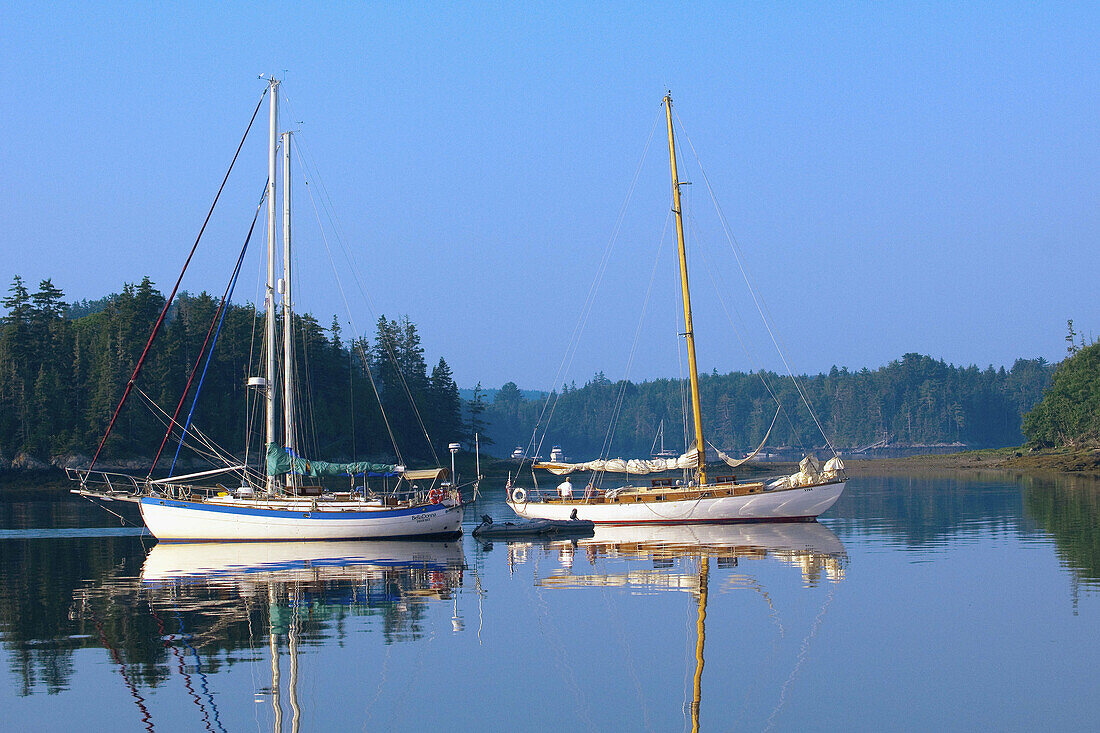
{"x": 918, "y": 177}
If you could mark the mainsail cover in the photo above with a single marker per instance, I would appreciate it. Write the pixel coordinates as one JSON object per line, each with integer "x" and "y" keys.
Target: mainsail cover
{"x": 280, "y": 461}
{"x": 636, "y": 466}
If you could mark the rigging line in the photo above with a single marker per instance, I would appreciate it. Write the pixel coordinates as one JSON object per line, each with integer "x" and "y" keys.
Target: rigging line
{"x": 146, "y": 717}
{"x": 223, "y": 309}
{"x": 802, "y": 652}
{"x": 179, "y": 659}
{"x": 186, "y": 637}
{"x": 310, "y": 399}
{"x": 212, "y": 448}
{"x": 121, "y": 519}
{"x": 408, "y": 393}
{"x": 251, "y": 415}
{"x": 358, "y": 341}
{"x": 194, "y": 369}
{"x": 213, "y": 452}
{"x": 718, "y": 284}
{"x": 609, "y": 436}
{"x": 316, "y": 445}
{"x": 739, "y": 256}
{"x": 311, "y": 172}
{"x": 175, "y": 288}
{"x": 566, "y": 363}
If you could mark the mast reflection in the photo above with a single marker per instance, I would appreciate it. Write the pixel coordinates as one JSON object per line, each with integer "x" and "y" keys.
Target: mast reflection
{"x": 680, "y": 560}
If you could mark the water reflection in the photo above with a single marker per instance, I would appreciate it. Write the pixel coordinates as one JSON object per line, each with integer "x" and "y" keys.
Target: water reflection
{"x": 194, "y": 609}
{"x": 912, "y": 583}
{"x": 307, "y": 589}
{"x": 1069, "y": 509}
{"x": 678, "y": 558}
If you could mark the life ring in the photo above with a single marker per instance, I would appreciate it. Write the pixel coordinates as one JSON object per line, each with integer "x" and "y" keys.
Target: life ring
{"x": 435, "y": 496}
{"x": 519, "y": 495}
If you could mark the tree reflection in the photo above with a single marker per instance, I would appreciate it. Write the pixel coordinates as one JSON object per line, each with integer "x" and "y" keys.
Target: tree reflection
{"x": 1069, "y": 509}
{"x": 193, "y": 609}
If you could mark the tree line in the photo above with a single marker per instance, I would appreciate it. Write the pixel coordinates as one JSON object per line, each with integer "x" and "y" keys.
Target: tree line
{"x": 916, "y": 400}
{"x": 63, "y": 368}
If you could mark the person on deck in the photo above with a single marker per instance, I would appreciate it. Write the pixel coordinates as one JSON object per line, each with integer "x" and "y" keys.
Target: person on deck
{"x": 565, "y": 489}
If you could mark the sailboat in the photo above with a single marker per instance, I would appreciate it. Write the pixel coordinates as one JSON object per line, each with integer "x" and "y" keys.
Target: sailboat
{"x": 701, "y": 498}
{"x": 278, "y": 504}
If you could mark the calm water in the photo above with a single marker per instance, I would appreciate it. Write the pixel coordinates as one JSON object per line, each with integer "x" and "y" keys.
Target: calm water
{"x": 914, "y": 604}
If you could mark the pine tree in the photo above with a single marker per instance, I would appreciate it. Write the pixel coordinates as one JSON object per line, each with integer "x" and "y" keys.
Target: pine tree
{"x": 446, "y": 405}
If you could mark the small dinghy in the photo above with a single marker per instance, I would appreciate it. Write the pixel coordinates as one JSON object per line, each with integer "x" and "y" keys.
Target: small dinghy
{"x": 533, "y": 528}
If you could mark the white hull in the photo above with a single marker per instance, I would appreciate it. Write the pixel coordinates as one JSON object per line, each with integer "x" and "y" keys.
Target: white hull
{"x": 802, "y": 503}
{"x": 169, "y": 519}
{"x": 169, "y": 562}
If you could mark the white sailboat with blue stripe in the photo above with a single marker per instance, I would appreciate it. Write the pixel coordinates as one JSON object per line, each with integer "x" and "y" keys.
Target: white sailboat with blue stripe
{"x": 287, "y": 499}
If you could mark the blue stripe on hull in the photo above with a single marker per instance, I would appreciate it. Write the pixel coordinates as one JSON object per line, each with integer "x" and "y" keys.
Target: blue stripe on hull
{"x": 292, "y": 513}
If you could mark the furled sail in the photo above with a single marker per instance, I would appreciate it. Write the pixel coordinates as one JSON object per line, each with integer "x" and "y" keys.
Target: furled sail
{"x": 735, "y": 462}
{"x": 280, "y": 461}
{"x": 627, "y": 465}
{"x": 811, "y": 472}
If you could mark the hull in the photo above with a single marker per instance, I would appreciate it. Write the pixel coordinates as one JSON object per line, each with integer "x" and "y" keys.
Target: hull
{"x": 186, "y": 521}
{"x": 800, "y": 504}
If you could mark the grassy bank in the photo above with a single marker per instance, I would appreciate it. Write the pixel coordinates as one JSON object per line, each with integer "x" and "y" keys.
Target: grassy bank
{"x": 1081, "y": 462}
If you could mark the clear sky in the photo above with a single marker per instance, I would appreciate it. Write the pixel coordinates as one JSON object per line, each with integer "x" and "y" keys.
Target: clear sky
{"x": 901, "y": 177}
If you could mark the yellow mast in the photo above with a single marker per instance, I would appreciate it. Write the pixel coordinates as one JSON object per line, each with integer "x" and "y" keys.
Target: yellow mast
{"x": 700, "y": 641}
{"x": 689, "y": 331}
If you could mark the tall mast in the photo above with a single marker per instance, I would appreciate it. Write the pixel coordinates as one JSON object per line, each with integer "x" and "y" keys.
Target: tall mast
{"x": 700, "y": 642}
{"x": 288, "y": 315}
{"x": 269, "y": 296}
{"x": 689, "y": 331}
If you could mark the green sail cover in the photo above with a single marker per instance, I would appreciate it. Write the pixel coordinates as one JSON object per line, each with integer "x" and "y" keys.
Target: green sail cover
{"x": 280, "y": 461}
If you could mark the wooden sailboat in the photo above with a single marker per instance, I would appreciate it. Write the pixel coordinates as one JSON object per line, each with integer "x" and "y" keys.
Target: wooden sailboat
{"x": 701, "y": 498}
{"x": 277, "y": 504}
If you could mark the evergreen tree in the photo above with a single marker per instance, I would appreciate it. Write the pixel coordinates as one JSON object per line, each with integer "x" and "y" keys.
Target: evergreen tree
{"x": 446, "y": 405}
{"x": 475, "y": 424}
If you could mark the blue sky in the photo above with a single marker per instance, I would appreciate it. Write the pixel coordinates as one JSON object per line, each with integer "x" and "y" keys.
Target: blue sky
{"x": 900, "y": 177}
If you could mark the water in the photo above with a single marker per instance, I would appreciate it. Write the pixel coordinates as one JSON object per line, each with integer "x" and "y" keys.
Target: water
{"x": 915, "y": 604}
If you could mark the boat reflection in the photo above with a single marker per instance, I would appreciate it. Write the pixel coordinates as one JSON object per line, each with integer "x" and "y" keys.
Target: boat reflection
{"x": 812, "y": 547}
{"x": 303, "y": 582}
{"x": 192, "y": 604}
{"x": 679, "y": 559}
{"x": 236, "y": 562}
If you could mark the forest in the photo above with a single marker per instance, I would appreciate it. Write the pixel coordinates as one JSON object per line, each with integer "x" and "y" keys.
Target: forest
{"x": 916, "y": 400}
{"x": 63, "y": 367}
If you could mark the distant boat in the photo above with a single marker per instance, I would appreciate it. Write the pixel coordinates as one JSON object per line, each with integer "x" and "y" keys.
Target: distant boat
{"x": 279, "y": 504}
{"x": 699, "y": 498}
{"x": 661, "y": 452}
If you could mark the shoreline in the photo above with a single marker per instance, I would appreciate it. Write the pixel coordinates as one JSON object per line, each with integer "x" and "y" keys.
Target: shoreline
{"x": 1083, "y": 462}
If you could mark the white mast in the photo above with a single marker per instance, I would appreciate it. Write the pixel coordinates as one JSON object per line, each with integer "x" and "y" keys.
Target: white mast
{"x": 288, "y": 316}
{"x": 269, "y": 297}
